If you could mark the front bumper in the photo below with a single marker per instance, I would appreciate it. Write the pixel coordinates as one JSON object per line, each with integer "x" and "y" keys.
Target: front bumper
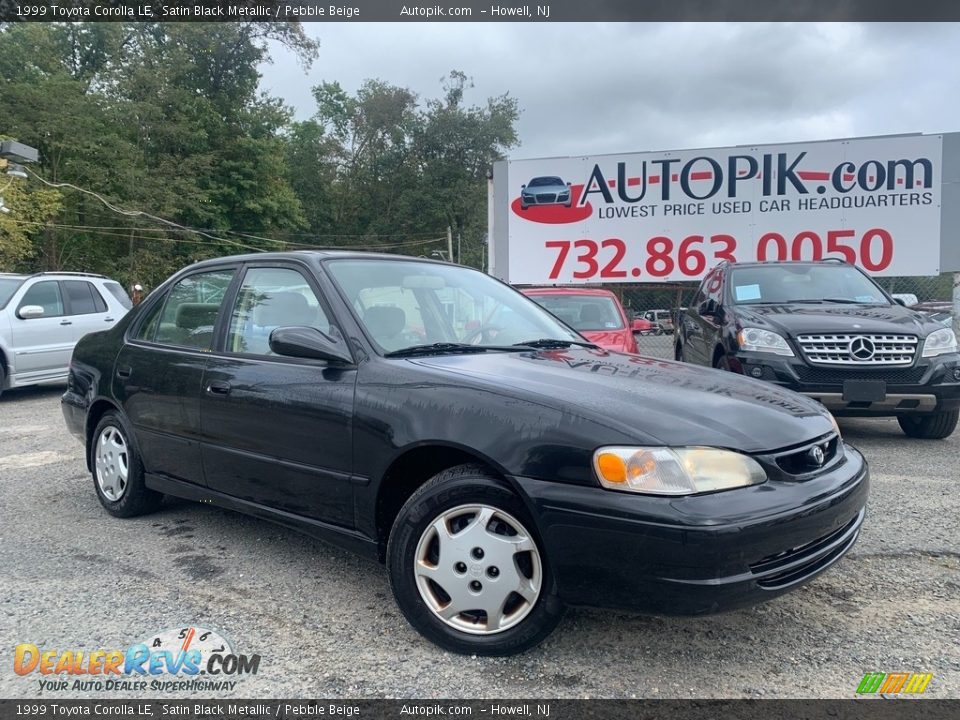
{"x": 697, "y": 554}
{"x": 928, "y": 386}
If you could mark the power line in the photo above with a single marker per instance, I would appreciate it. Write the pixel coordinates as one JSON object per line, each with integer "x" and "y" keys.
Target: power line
{"x": 206, "y": 233}
{"x": 141, "y": 213}
{"x": 124, "y": 233}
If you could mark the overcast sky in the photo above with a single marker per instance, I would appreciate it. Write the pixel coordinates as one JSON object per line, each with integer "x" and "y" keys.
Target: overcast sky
{"x": 605, "y": 88}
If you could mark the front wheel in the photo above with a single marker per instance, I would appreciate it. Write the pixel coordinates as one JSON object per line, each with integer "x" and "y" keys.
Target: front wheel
{"x": 467, "y": 570}
{"x": 935, "y": 426}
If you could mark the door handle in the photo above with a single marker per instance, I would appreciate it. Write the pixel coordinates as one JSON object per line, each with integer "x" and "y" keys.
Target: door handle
{"x": 124, "y": 371}
{"x": 66, "y": 322}
{"x": 108, "y": 319}
{"x": 218, "y": 387}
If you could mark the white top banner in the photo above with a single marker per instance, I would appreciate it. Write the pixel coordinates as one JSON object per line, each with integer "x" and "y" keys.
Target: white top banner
{"x": 649, "y": 217}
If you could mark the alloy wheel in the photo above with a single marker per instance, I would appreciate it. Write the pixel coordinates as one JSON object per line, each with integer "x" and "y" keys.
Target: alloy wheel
{"x": 478, "y": 569}
{"x": 112, "y": 463}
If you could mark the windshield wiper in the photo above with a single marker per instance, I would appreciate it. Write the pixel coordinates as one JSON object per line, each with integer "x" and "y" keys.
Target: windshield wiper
{"x": 844, "y": 301}
{"x": 447, "y": 347}
{"x": 554, "y": 343}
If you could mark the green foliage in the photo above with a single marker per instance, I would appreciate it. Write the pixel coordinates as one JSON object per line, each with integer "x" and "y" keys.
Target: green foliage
{"x": 167, "y": 118}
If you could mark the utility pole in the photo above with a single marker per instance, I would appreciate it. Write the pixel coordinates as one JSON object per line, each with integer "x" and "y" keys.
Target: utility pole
{"x": 449, "y": 243}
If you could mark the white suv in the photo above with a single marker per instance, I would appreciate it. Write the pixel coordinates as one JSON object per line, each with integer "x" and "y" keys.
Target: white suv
{"x": 43, "y": 316}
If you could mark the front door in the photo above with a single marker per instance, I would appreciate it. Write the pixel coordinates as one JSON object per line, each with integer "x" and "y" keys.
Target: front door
{"x": 278, "y": 431}
{"x": 43, "y": 344}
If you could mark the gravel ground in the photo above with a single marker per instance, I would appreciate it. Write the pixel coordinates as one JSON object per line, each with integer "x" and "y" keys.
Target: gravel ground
{"x": 325, "y": 623}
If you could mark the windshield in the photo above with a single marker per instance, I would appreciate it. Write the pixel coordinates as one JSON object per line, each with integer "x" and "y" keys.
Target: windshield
{"x": 803, "y": 283}
{"x": 583, "y": 312}
{"x": 8, "y": 286}
{"x": 545, "y": 181}
{"x": 402, "y": 304}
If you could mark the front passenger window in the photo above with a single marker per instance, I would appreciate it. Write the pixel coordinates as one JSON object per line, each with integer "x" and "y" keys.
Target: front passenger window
{"x": 270, "y": 298}
{"x": 191, "y": 310}
{"x": 46, "y": 294}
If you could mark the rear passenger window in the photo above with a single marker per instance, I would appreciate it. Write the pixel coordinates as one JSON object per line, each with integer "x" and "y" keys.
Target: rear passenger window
{"x": 190, "y": 312}
{"x": 119, "y": 293}
{"x": 270, "y": 298}
{"x": 83, "y": 297}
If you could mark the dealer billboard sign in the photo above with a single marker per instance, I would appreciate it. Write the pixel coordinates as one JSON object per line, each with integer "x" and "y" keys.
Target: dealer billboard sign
{"x": 671, "y": 216}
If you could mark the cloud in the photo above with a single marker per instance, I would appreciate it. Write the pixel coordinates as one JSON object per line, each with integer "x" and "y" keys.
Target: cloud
{"x": 602, "y": 88}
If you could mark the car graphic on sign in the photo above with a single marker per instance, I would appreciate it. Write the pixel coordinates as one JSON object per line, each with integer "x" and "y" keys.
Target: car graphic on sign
{"x": 545, "y": 190}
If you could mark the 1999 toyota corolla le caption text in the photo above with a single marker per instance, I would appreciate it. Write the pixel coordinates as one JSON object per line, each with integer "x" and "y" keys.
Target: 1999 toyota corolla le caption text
{"x": 431, "y": 416}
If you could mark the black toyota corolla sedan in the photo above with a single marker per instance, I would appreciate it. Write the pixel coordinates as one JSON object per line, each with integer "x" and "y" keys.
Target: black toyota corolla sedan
{"x": 429, "y": 415}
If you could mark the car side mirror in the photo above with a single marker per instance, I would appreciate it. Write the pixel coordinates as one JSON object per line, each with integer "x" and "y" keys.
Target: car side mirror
{"x": 30, "y": 311}
{"x": 709, "y": 307}
{"x": 900, "y": 301}
{"x": 523, "y": 187}
{"x": 308, "y": 342}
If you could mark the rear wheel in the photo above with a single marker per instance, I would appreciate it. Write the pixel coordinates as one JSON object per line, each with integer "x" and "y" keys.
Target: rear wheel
{"x": 118, "y": 472}
{"x": 466, "y": 568}
{"x": 935, "y": 426}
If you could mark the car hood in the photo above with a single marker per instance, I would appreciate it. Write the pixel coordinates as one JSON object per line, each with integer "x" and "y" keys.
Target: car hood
{"x": 802, "y": 318}
{"x": 655, "y": 401}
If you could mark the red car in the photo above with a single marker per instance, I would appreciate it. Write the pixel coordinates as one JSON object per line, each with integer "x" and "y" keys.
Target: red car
{"x": 594, "y": 313}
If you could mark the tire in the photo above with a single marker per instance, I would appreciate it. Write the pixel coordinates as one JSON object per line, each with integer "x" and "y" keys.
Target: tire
{"x": 454, "y": 500}
{"x": 3, "y": 378}
{"x": 936, "y": 426}
{"x": 678, "y": 353}
{"x": 118, "y": 471}
{"x": 721, "y": 362}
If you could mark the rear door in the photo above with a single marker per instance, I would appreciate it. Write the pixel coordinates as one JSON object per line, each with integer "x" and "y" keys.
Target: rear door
{"x": 86, "y": 307}
{"x": 158, "y": 375}
{"x": 42, "y": 345}
{"x": 278, "y": 431}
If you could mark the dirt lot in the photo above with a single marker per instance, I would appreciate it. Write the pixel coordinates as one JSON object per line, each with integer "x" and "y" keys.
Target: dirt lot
{"x": 326, "y": 626}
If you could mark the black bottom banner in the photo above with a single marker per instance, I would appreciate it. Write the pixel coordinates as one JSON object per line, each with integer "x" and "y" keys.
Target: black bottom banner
{"x": 874, "y": 709}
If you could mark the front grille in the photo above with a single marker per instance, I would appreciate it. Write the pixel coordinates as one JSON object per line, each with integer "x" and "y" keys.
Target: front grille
{"x": 859, "y": 349}
{"x": 800, "y": 461}
{"x": 830, "y": 376}
{"x": 546, "y": 197}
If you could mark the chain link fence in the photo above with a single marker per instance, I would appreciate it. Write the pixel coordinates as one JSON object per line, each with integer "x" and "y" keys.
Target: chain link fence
{"x": 656, "y": 303}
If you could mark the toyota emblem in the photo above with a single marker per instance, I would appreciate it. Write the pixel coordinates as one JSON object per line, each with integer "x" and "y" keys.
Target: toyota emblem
{"x": 862, "y": 349}
{"x": 816, "y": 455}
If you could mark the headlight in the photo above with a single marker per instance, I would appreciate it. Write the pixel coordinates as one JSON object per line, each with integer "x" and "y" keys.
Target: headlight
{"x": 940, "y": 342}
{"x": 836, "y": 427}
{"x": 759, "y": 340}
{"x": 674, "y": 471}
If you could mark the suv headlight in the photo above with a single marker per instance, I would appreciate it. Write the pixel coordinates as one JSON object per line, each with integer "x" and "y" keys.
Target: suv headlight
{"x": 940, "y": 342}
{"x": 675, "y": 471}
{"x": 759, "y": 340}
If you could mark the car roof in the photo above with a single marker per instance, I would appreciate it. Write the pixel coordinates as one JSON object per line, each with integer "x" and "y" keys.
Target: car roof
{"x": 316, "y": 255}
{"x": 765, "y": 263}
{"x": 596, "y": 292}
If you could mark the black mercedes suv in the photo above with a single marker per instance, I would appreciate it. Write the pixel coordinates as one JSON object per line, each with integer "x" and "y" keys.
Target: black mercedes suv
{"x": 827, "y": 330}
